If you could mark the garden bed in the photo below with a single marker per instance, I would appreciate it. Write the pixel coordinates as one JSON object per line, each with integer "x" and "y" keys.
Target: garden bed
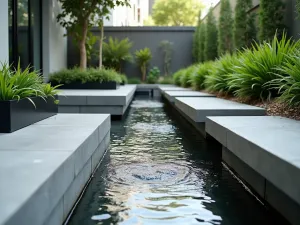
{"x": 15, "y": 114}
{"x": 108, "y": 85}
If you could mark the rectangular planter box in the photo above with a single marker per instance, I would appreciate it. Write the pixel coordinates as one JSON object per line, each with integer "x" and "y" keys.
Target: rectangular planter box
{"x": 90, "y": 85}
{"x": 15, "y": 115}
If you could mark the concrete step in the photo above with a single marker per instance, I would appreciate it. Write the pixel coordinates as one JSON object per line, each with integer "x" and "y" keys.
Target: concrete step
{"x": 171, "y": 95}
{"x": 198, "y": 108}
{"x": 44, "y": 167}
{"x": 114, "y": 102}
{"x": 265, "y": 152}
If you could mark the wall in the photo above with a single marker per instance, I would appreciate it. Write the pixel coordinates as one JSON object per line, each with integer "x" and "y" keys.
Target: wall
{"x": 54, "y": 42}
{"x": 4, "y": 43}
{"x": 147, "y": 37}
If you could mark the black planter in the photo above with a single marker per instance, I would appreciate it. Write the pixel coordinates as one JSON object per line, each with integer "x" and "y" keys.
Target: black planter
{"x": 15, "y": 115}
{"x": 90, "y": 85}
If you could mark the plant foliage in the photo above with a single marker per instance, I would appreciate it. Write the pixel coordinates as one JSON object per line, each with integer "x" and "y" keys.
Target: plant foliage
{"x": 23, "y": 84}
{"x": 201, "y": 74}
{"x": 271, "y": 16}
{"x": 143, "y": 58}
{"x": 153, "y": 76}
{"x": 211, "y": 38}
{"x": 115, "y": 52}
{"x": 225, "y": 34}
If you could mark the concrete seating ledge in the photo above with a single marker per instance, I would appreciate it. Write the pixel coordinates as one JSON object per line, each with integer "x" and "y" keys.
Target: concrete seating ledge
{"x": 44, "y": 167}
{"x": 171, "y": 95}
{"x": 265, "y": 152}
{"x": 114, "y": 102}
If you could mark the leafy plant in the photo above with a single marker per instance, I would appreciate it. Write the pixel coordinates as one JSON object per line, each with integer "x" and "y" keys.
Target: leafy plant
{"x": 217, "y": 80}
{"x": 134, "y": 80}
{"x": 225, "y": 34}
{"x": 67, "y": 76}
{"x": 196, "y": 40}
{"x": 153, "y": 75}
{"x": 211, "y": 37}
{"x": 202, "y": 34}
{"x": 187, "y": 76}
{"x": 124, "y": 79}
{"x": 257, "y": 66}
{"x": 202, "y": 72}
{"x": 143, "y": 58}
{"x": 116, "y": 52}
{"x": 177, "y": 76}
{"x": 78, "y": 16}
{"x": 166, "y": 47}
{"x": 288, "y": 81}
{"x": 166, "y": 80}
{"x": 23, "y": 84}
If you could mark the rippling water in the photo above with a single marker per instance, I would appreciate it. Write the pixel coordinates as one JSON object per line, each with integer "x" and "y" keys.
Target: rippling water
{"x": 158, "y": 172}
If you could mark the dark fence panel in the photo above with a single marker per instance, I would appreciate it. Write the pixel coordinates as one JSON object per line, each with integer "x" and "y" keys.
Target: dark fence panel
{"x": 142, "y": 37}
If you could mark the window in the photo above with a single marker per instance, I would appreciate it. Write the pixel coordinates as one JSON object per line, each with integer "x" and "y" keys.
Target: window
{"x": 25, "y": 33}
{"x": 139, "y": 15}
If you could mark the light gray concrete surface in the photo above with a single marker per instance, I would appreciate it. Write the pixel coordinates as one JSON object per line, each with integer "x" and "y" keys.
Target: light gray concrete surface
{"x": 171, "y": 95}
{"x": 198, "y": 108}
{"x": 40, "y": 162}
{"x": 269, "y": 145}
{"x": 114, "y": 102}
{"x": 164, "y": 88}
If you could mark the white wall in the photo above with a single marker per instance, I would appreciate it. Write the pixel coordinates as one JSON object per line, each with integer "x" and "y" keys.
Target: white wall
{"x": 54, "y": 42}
{"x": 4, "y": 43}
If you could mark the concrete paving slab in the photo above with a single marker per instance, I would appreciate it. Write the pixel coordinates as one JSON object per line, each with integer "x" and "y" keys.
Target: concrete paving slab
{"x": 269, "y": 145}
{"x": 198, "y": 108}
{"x": 164, "y": 88}
{"x": 38, "y": 164}
{"x": 171, "y": 95}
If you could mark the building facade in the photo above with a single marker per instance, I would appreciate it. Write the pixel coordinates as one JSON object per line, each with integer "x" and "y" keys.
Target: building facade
{"x": 129, "y": 16}
{"x": 31, "y": 36}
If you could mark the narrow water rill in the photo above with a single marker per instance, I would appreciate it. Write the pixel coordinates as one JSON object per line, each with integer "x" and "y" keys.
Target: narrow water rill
{"x": 159, "y": 171}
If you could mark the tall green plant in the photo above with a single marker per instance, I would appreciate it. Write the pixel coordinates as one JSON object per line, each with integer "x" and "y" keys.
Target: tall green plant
{"x": 271, "y": 15}
{"x": 167, "y": 48}
{"x": 143, "y": 58}
{"x": 196, "y": 40}
{"x": 225, "y": 33}
{"x": 115, "y": 52}
{"x": 201, "y": 53}
{"x": 202, "y": 72}
{"x": 244, "y": 25}
{"x": 211, "y": 37}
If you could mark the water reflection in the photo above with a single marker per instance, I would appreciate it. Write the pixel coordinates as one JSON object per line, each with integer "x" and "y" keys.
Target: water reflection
{"x": 158, "y": 173}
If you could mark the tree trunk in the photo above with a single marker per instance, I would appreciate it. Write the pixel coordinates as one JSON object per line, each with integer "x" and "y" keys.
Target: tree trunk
{"x": 144, "y": 72}
{"x": 82, "y": 46}
{"x": 101, "y": 46}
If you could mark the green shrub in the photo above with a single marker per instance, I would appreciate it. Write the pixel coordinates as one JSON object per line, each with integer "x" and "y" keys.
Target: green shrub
{"x": 201, "y": 73}
{"x": 177, "y": 76}
{"x": 288, "y": 85}
{"x": 187, "y": 76}
{"x": 134, "y": 80}
{"x": 67, "y": 76}
{"x": 19, "y": 84}
{"x": 221, "y": 69}
{"x": 211, "y": 37}
{"x": 143, "y": 58}
{"x": 257, "y": 66}
{"x": 115, "y": 52}
{"x": 153, "y": 76}
{"x": 166, "y": 80}
{"x": 124, "y": 79}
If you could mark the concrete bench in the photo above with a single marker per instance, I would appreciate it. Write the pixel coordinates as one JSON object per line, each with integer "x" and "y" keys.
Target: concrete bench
{"x": 114, "y": 102}
{"x": 198, "y": 108}
{"x": 164, "y": 88}
{"x": 45, "y": 166}
{"x": 171, "y": 95}
{"x": 265, "y": 152}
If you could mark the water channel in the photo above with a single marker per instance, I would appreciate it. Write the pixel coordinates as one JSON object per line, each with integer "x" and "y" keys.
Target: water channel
{"x": 160, "y": 171}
